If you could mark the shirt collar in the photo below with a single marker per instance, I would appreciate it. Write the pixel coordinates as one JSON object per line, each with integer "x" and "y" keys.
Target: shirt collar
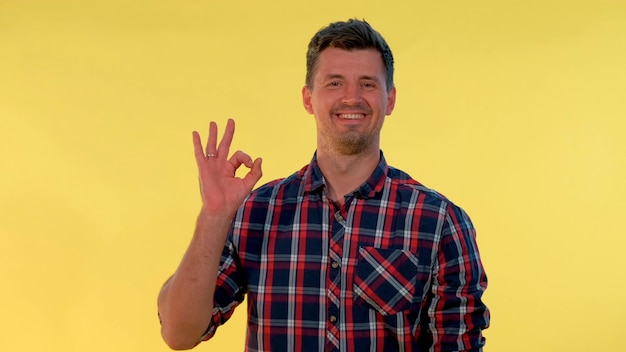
{"x": 315, "y": 182}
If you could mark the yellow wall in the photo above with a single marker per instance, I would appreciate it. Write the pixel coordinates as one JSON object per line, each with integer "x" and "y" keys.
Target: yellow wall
{"x": 515, "y": 110}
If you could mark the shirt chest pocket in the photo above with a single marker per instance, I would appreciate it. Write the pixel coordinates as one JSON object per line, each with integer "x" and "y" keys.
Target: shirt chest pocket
{"x": 386, "y": 279}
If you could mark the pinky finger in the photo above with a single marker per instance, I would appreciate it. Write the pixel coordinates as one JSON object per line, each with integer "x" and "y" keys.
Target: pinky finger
{"x": 197, "y": 146}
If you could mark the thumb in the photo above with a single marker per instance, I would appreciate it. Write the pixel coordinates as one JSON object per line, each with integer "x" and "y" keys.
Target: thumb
{"x": 254, "y": 175}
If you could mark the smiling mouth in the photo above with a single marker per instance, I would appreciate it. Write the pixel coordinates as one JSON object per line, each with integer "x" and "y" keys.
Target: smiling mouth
{"x": 351, "y": 116}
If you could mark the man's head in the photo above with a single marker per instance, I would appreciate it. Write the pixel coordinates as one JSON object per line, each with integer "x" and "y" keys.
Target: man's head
{"x": 349, "y": 87}
{"x": 351, "y": 35}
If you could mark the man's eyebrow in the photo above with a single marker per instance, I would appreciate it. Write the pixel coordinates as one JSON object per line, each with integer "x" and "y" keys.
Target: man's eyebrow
{"x": 369, "y": 78}
{"x": 364, "y": 77}
{"x": 333, "y": 75}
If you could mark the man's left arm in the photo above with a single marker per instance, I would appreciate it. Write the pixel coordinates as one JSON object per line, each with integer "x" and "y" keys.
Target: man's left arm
{"x": 457, "y": 314}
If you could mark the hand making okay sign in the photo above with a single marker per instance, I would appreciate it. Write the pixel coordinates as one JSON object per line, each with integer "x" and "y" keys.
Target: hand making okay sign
{"x": 222, "y": 191}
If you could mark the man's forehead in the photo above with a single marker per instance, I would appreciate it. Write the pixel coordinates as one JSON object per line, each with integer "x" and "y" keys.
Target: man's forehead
{"x": 336, "y": 59}
{"x": 348, "y": 50}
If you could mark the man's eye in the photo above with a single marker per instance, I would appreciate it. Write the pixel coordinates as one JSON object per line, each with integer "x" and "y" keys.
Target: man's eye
{"x": 334, "y": 83}
{"x": 368, "y": 85}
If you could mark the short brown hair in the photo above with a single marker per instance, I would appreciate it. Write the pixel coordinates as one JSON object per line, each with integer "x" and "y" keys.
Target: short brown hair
{"x": 350, "y": 35}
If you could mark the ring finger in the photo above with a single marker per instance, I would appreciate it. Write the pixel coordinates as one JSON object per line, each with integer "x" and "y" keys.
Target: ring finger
{"x": 211, "y": 143}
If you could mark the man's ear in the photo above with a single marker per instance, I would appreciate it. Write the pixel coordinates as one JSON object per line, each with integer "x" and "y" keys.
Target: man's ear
{"x": 306, "y": 99}
{"x": 391, "y": 101}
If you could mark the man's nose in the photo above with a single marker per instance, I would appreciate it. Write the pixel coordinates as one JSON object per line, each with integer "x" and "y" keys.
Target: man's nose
{"x": 351, "y": 94}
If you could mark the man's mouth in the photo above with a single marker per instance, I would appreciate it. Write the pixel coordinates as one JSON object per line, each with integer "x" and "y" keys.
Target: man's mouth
{"x": 351, "y": 116}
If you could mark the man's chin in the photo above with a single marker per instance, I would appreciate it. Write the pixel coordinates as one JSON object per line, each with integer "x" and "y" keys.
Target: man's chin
{"x": 352, "y": 146}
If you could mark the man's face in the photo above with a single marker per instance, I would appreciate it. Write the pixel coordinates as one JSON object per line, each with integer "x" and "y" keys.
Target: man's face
{"x": 349, "y": 100}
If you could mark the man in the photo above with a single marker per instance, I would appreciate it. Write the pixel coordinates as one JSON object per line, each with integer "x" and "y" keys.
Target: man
{"x": 348, "y": 254}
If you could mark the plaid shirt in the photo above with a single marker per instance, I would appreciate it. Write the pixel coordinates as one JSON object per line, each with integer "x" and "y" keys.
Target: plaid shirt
{"x": 396, "y": 268}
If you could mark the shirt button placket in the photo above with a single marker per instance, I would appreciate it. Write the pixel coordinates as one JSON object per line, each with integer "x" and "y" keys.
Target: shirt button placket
{"x": 333, "y": 311}
{"x": 338, "y": 228}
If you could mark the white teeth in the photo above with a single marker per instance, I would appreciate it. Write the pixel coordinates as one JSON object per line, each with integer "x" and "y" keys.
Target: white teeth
{"x": 351, "y": 116}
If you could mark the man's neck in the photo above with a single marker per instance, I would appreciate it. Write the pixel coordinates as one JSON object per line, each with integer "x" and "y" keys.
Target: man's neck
{"x": 345, "y": 173}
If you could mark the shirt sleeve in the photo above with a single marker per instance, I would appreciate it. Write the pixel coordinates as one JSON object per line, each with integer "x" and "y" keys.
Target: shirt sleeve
{"x": 456, "y": 313}
{"x": 230, "y": 289}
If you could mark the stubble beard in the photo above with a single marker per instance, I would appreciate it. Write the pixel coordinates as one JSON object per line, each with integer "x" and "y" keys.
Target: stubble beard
{"x": 351, "y": 142}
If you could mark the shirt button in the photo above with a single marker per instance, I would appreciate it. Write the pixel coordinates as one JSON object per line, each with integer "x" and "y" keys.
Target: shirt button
{"x": 338, "y": 216}
{"x": 333, "y": 319}
{"x": 335, "y": 264}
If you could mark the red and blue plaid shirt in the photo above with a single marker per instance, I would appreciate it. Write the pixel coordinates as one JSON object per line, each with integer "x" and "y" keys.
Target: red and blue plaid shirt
{"x": 396, "y": 268}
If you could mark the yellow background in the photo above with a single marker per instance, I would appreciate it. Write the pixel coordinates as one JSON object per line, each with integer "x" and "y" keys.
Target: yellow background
{"x": 513, "y": 109}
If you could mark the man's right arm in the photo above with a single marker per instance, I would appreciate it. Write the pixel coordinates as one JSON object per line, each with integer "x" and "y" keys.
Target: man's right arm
{"x": 185, "y": 301}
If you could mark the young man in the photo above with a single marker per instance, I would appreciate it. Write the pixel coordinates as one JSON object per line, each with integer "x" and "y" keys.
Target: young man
{"x": 349, "y": 253}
